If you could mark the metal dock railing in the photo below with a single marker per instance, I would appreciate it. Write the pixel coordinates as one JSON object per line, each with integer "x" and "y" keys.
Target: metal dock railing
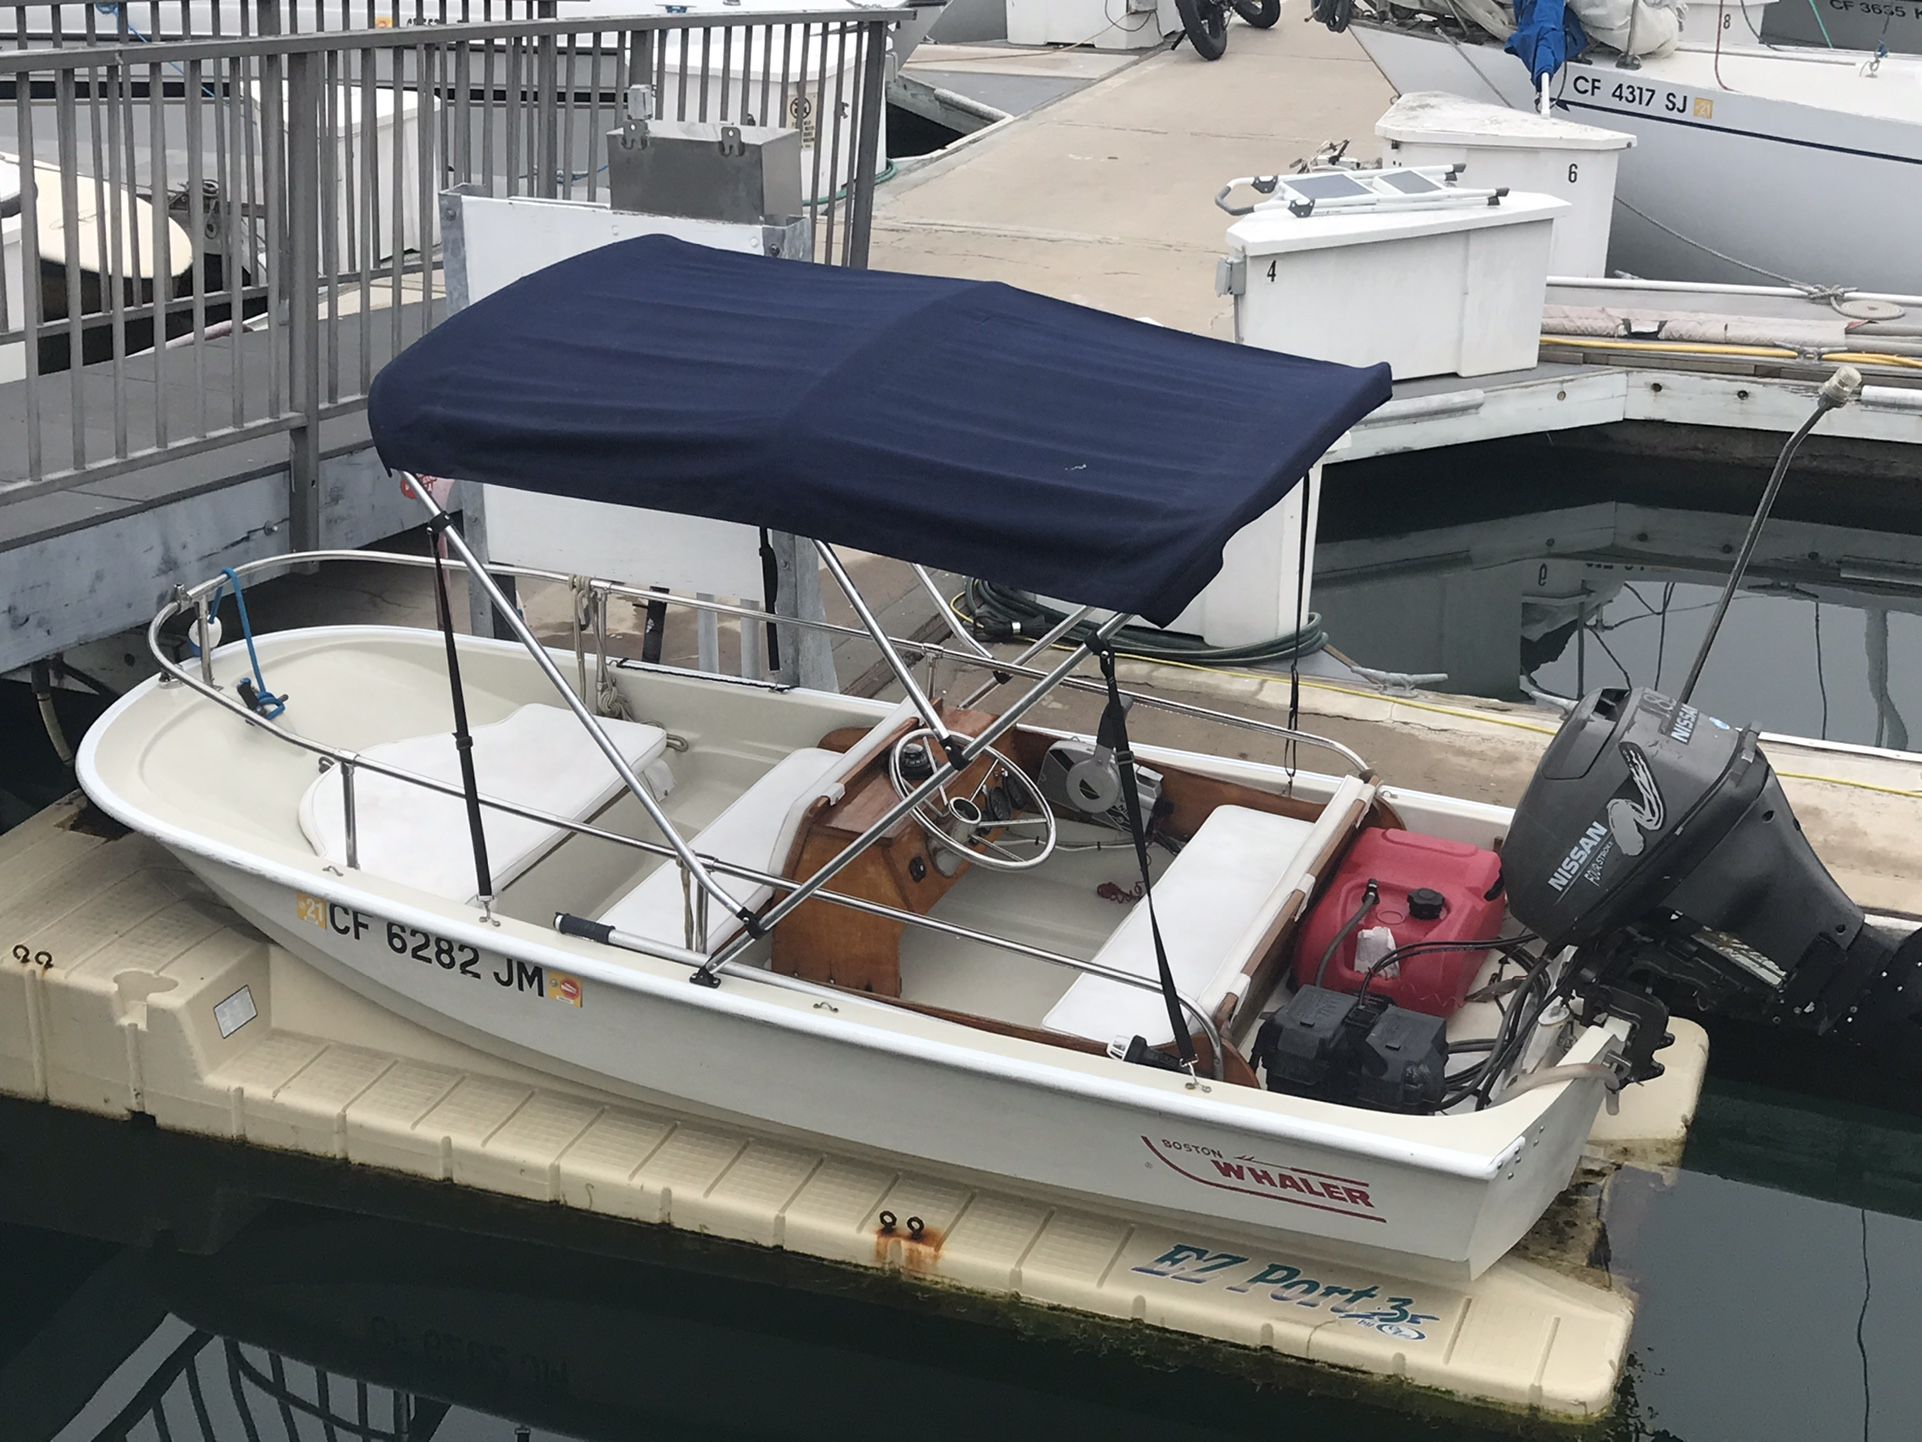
{"x": 222, "y": 236}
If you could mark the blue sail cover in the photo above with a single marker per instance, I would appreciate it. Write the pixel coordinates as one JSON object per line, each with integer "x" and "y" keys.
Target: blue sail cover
{"x": 964, "y": 425}
{"x": 1547, "y": 36}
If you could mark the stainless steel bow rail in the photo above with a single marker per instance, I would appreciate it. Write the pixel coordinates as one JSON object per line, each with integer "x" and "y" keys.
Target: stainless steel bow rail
{"x": 698, "y": 872}
{"x": 235, "y": 231}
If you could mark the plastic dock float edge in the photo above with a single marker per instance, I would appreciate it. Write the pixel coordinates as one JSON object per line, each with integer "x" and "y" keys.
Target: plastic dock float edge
{"x": 157, "y": 1001}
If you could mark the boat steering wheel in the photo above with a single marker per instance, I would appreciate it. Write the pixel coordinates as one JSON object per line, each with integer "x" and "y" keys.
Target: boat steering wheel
{"x": 1002, "y": 823}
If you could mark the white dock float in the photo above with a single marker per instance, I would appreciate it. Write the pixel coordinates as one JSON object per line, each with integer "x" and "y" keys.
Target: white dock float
{"x": 128, "y": 990}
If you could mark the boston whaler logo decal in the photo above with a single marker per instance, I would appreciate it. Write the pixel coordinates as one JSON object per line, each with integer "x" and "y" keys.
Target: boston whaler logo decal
{"x": 1629, "y": 817}
{"x": 1277, "y": 1181}
{"x": 1290, "y": 1285}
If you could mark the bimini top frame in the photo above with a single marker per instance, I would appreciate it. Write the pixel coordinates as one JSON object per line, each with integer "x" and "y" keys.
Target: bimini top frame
{"x": 667, "y": 381}
{"x": 958, "y": 752}
{"x": 722, "y": 960}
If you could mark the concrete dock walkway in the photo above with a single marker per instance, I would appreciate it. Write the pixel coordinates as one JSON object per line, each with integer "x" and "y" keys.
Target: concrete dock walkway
{"x": 1106, "y": 196}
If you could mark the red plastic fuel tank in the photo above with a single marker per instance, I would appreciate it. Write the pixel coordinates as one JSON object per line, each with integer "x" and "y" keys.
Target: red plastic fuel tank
{"x": 1431, "y": 890}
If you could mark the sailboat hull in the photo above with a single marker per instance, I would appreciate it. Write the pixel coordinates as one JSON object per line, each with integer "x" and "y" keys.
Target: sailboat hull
{"x": 1813, "y": 189}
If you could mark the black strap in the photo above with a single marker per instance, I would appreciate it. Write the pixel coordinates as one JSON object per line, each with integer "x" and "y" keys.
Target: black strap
{"x": 654, "y": 629}
{"x": 463, "y": 739}
{"x": 1114, "y": 733}
{"x": 1301, "y": 624}
{"x": 770, "y": 593}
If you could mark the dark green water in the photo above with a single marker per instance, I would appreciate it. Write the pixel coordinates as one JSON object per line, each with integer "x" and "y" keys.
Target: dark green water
{"x": 1551, "y": 563}
{"x": 151, "y": 1291}
{"x": 1781, "y": 1278}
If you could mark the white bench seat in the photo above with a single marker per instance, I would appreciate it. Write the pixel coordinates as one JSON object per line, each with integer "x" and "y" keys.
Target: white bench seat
{"x": 752, "y": 832}
{"x": 539, "y": 756}
{"x": 757, "y": 830}
{"x": 1215, "y": 902}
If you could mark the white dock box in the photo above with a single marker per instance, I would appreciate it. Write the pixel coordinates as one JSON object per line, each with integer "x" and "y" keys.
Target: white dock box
{"x": 1523, "y": 151}
{"x": 1102, "y": 24}
{"x": 1434, "y": 290}
{"x": 1253, "y": 597}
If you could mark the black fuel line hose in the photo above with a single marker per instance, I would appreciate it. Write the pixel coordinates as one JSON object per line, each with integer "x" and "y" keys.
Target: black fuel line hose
{"x": 1000, "y": 613}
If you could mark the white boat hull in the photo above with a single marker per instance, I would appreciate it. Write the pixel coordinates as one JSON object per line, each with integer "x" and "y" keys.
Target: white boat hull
{"x": 1437, "y": 1197}
{"x": 1151, "y": 1147}
{"x": 1800, "y": 190}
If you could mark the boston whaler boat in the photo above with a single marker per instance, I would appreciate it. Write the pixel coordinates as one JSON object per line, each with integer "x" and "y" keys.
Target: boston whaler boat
{"x": 1373, "y": 1022}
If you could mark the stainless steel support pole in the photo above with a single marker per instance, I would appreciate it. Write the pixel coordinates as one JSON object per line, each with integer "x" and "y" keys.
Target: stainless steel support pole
{"x": 872, "y": 624}
{"x": 204, "y": 637}
{"x": 347, "y": 814}
{"x": 955, "y": 627}
{"x": 1005, "y": 722}
{"x": 693, "y": 917}
{"x": 942, "y": 772}
{"x": 477, "y": 575}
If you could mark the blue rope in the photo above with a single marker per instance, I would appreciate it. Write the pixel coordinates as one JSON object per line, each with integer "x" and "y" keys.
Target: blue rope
{"x": 113, "y": 7}
{"x": 266, "y": 704}
{"x": 1816, "y": 11}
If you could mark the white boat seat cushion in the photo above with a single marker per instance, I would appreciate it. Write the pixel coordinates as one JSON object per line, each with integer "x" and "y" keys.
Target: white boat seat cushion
{"x": 539, "y": 757}
{"x": 1215, "y": 901}
{"x": 757, "y": 830}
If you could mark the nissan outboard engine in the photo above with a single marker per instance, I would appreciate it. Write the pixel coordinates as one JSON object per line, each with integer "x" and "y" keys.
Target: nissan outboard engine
{"x": 1656, "y": 839}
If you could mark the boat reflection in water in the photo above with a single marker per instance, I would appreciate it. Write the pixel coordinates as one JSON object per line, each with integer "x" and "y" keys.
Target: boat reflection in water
{"x": 307, "y": 1324}
{"x": 299, "y": 1322}
{"x": 1823, "y": 640}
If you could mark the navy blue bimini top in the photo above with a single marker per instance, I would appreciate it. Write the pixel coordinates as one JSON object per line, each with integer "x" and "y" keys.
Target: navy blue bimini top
{"x": 961, "y": 424}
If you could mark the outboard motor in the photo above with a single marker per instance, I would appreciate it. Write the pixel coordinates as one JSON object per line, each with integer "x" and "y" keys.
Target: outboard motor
{"x": 1656, "y": 839}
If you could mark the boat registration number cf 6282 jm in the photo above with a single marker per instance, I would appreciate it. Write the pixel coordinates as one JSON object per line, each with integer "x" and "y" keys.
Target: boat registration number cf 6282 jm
{"x": 455, "y": 959}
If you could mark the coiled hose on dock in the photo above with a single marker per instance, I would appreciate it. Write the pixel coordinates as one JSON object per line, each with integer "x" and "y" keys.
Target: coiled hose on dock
{"x": 999, "y": 613}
